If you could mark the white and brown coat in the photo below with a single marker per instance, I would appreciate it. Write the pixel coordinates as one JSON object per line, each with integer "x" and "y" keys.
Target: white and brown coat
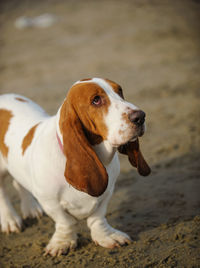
{"x": 67, "y": 164}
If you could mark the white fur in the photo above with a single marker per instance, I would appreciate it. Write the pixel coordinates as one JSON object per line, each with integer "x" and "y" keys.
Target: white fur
{"x": 39, "y": 174}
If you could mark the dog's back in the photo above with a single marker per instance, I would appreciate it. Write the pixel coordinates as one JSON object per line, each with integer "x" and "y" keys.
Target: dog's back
{"x": 18, "y": 115}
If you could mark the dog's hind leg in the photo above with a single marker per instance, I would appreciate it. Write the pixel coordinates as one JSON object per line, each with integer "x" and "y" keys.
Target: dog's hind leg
{"x": 10, "y": 221}
{"x": 29, "y": 205}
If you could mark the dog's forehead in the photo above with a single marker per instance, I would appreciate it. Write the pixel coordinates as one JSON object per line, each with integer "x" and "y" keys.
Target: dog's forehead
{"x": 109, "y": 87}
{"x": 86, "y": 89}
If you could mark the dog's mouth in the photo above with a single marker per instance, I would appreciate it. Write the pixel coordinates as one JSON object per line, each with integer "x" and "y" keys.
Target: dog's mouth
{"x": 134, "y": 138}
{"x": 139, "y": 132}
{"x": 130, "y": 134}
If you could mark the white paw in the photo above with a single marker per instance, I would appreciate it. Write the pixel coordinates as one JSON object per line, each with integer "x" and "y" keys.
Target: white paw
{"x": 114, "y": 239}
{"x": 31, "y": 208}
{"x": 57, "y": 247}
{"x": 10, "y": 222}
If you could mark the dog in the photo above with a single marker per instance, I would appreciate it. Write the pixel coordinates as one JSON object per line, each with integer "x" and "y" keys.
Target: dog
{"x": 67, "y": 165}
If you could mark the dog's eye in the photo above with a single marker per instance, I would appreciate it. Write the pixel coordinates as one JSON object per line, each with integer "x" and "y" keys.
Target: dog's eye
{"x": 97, "y": 101}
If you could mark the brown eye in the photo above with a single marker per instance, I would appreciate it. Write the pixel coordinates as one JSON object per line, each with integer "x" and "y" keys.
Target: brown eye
{"x": 97, "y": 101}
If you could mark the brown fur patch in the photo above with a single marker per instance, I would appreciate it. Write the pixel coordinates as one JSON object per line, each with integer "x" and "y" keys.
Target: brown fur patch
{"x": 92, "y": 118}
{"x": 20, "y": 99}
{"x": 117, "y": 88}
{"x": 82, "y": 125}
{"x": 5, "y": 116}
{"x": 125, "y": 118}
{"x": 28, "y": 138}
{"x": 86, "y": 79}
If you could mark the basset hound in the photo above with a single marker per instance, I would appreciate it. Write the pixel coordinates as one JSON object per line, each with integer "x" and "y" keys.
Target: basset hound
{"x": 67, "y": 164}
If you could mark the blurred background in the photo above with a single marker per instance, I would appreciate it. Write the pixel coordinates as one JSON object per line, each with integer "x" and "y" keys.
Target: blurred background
{"x": 152, "y": 49}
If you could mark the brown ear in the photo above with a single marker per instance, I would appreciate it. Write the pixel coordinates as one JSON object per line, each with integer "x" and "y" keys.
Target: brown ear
{"x": 84, "y": 171}
{"x": 132, "y": 149}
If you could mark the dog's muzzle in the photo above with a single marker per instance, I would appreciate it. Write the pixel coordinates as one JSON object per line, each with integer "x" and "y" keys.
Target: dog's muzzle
{"x": 137, "y": 117}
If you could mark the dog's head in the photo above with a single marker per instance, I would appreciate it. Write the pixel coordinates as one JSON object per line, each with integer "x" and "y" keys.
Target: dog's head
{"x": 95, "y": 111}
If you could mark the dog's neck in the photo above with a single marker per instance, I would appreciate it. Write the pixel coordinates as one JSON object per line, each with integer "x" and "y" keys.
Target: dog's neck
{"x": 105, "y": 152}
{"x": 59, "y": 142}
{"x": 103, "y": 148}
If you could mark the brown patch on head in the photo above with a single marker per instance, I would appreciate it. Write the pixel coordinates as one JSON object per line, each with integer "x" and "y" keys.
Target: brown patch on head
{"x": 20, "y": 99}
{"x": 86, "y": 79}
{"x": 121, "y": 132}
{"x": 80, "y": 97}
{"x": 126, "y": 119}
{"x": 82, "y": 125}
{"x": 116, "y": 88}
{"x": 28, "y": 138}
{"x": 5, "y": 116}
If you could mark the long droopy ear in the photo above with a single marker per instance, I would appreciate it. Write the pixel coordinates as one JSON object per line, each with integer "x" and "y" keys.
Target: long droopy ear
{"x": 84, "y": 171}
{"x": 132, "y": 149}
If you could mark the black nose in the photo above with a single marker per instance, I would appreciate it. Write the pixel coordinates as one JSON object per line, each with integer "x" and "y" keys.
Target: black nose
{"x": 137, "y": 117}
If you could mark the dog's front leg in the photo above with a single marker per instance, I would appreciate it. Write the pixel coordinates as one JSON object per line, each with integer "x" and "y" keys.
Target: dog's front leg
{"x": 101, "y": 232}
{"x": 65, "y": 237}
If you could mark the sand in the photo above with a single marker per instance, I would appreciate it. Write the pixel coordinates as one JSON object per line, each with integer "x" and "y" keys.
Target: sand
{"x": 151, "y": 48}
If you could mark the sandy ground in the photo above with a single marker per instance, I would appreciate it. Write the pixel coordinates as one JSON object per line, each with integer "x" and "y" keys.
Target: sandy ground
{"x": 151, "y": 48}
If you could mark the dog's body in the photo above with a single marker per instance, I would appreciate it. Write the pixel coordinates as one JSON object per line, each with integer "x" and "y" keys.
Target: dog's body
{"x": 69, "y": 161}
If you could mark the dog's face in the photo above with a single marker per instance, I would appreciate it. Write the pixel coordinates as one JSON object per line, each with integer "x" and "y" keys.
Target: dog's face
{"x": 124, "y": 120}
{"x": 101, "y": 107}
{"x": 94, "y": 111}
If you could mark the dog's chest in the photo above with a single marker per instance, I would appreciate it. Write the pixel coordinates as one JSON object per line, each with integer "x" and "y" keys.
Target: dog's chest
{"x": 82, "y": 205}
